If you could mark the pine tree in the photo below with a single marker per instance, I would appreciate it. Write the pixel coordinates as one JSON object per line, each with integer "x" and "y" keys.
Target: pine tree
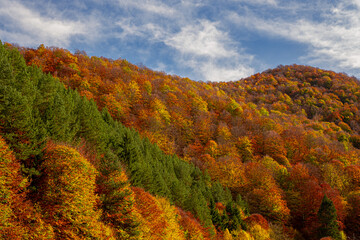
{"x": 130, "y": 152}
{"x": 117, "y": 203}
{"x": 234, "y": 218}
{"x": 327, "y": 218}
{"x": 20, "y": 124}
{"x": 215, "y": 216}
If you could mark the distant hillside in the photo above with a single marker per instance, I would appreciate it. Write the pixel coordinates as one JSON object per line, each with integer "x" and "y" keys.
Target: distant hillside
{"x": 279, "y": 140}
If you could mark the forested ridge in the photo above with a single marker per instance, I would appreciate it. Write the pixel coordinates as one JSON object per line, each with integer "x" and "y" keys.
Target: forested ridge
{"x": 95, "y": 148}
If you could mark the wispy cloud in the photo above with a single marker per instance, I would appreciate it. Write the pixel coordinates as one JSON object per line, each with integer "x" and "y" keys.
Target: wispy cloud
{"x": 200, "y": 46}
{"x": 150, "y": 31}
{"x": 333, "y": 38}
{"x": 151, "y": 6}
{"x": 26, "y": 26}
{"x": 197, "y": 44}
{"x": 210, "y": 51}
{"x": 200, "y": 39}
{"x": 258, "y": 2}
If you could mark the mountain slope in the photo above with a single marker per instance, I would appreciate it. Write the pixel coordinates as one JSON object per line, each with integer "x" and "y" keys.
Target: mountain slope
{"x": 292, "y": 131}
{"x": 76, "y": 160}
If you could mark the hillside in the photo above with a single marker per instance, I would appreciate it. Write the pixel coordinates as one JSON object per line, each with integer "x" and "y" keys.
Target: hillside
{"x": 65, "y": 169}
{"x": 258, "y": 158}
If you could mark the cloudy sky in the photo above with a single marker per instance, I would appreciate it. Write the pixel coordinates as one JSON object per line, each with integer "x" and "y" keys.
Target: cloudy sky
{"x": 214, "y": 40}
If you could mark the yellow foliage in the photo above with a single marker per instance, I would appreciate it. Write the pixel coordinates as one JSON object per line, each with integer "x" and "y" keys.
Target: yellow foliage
{"x": 227, "y": 235}
{"x": 173, "y": 229}
{"x": 258, "y": 233}
{"x": 160, "y": 108}
{"x": 230, "y": 172}
{"x": 200, "y": 104}
{"x": 167, "y": 145}
{"x": 280, "y": 172}
{"x": 134, "y": 92}
{"x": 242, "y": 235}
{"x": 335, "y": 176}
{"x": 68, "y": 195}
{"x": 148, "y": 87}
{"x": 223, "y": 132}
{"x": 212, "y": 148}
{"x": 245, "y": 148}
{"x": 234, "y": 108}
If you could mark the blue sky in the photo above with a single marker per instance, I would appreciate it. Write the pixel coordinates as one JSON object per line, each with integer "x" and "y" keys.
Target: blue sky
{"x": 203, "y": 40}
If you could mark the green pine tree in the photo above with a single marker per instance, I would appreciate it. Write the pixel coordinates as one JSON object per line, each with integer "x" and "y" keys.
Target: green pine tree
{"x": 327, "y": 218}
{"x": 215, "y": 216}
{"x": 234, "y": 218}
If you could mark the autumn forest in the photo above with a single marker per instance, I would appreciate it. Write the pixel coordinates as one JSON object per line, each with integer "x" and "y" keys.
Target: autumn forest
{"x": 95, "y": 148}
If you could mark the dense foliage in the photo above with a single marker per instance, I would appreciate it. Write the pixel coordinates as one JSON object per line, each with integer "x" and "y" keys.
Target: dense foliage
{"x": 280, "y": 141}
{"x": 71, "y": 161}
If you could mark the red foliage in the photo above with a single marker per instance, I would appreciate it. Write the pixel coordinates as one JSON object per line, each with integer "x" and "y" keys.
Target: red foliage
{"x": 352, "y": 220}
{"x": 220, "y": 206}
{"x": 192, "y": 226}
{"x": 353, "y": 172}
{"x": 257, "y": 219}
{"x": 150, "y": 211}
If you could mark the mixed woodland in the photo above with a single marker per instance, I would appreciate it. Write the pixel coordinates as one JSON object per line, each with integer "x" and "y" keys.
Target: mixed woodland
{"x": 96, "y": 148}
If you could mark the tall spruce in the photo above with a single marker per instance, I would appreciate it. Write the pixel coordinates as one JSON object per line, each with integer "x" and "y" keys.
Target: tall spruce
{"x": 327, "y": 218}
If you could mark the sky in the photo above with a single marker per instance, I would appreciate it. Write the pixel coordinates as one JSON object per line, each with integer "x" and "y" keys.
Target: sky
{"x": 203, "y": 40}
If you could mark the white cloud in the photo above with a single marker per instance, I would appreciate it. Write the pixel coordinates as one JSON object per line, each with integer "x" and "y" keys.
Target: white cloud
{"x": 151, "y": 6}
{"x": 128, "y": 29}
{"x": 333, "y": 38}
{"x": 27, "y": 27}
{"x": 213, "y": 71}
{"x": 202, "y": 39}
{"x": 258, "y": 2}
{"x": 210, "y": 52}
{"x": 200, "y": 45}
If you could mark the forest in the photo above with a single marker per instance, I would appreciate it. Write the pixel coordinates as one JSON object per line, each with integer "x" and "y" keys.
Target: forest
{"x": 96, "y": 148}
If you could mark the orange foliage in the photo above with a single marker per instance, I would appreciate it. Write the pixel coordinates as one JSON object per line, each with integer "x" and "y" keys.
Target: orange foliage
{"x": 18, "y": 218}
{"x": 263, "y": 193}
{"x": 191, "y": 226}
{"x": 353, "y": 172}
{"x": 153, "y": 221}
{"x": 257, "y": 219}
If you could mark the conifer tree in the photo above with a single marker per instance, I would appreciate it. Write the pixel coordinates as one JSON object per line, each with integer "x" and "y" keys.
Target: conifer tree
{"x": 130, "y": 151}
{"x": 215, "y": 216}
{"x": 117, "y": 203}
{"x": 234, "y": 218}
{"x": 327, "y": 218}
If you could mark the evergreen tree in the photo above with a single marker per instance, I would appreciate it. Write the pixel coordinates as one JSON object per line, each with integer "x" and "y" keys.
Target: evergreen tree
{"x": 215, "y": 216}
{"x": 21, "y": 124}
{"x": 327, "y": 218}
{"x": 242, "y": 204}
{"x": 130, "y": 152}
{"x": 219, "y": 193}
{"x": 234, "y": 216}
